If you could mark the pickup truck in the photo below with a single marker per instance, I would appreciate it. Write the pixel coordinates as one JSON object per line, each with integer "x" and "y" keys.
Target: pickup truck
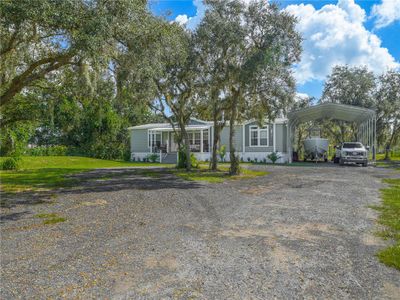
{"x": 353, "y": 152}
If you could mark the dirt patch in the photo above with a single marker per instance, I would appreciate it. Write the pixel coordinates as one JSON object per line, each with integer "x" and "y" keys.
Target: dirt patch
{"x": 97, "y": 202}
{"x": 256, "y": 190}
{"x": 391, "y": 291}
{"x": 247, "y": 233}
{"x": 283, "y": 257}
{"x": 94, "y": 203}
{"x": 166, "y": 262}
{"x": 307, "y": 231}
{"x": 371, "y": 240}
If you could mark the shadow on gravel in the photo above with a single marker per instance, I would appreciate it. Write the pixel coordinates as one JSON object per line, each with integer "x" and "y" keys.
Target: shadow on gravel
{"x": 97, "y": 181}
{"x": 13, "y": 216}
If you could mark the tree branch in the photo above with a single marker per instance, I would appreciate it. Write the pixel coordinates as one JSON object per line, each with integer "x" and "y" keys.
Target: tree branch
{"x": 29, "y": 75}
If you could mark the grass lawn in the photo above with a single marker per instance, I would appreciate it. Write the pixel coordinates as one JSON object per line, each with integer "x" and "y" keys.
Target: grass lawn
{"x": 390, "y": 219}
{"x": 393, "y": 163}
{"x": 204, "y": 174}
{"x": 46, "y": 172}
{"x": 394, "y": 156}
{"x": 389, "y": 216}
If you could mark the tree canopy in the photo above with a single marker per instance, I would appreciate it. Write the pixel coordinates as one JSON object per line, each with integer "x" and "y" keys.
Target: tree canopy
{"x": 247, "y": 52}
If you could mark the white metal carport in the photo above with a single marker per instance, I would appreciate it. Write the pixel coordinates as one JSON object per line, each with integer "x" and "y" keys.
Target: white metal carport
{"x": 365, "y": 119}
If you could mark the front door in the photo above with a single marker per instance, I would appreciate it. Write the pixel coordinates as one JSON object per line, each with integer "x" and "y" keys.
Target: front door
{"x": 173, "y": 145}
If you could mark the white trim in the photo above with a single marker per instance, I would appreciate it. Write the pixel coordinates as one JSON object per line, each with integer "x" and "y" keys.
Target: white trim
{"x": 150, "y": 138}
{"x": 265, "y": 128}
{"x": 201, "y": 141}
{"x": 207, "y": 124}
{"x": 201, "y": 121}
{"x": 244, "y": 138}
{"x": 209, "y": 140}
{"x": 266, "y": 121}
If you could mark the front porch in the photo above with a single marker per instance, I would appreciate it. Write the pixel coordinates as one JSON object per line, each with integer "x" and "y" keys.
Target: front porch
{"x": 164, "y": 140}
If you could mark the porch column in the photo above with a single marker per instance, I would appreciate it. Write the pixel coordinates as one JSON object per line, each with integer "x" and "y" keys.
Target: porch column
{"x": 167, "y": 141}
{"x": 201, "y": 140}
{"x": 243, "y": 138}
{"x": 209, "y": 140}
{"x": 274, "y": 136}
{"x": 151, "y": 140}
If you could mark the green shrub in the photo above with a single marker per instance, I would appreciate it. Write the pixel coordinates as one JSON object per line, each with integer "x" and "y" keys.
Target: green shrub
{"x": 153, "y": 157}
{"x": 11, "y": 163}
{"x": 193, "y": 161}
{"x": 56, "y": 150}
{"x": 273, "y": 157}
{"x": 222, "y": 152}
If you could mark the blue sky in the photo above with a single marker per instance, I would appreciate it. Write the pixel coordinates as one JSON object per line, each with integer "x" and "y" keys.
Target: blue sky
{"x": 363, "y": 32}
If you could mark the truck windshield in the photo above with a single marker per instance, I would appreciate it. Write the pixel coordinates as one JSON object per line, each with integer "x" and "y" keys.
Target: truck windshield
{"x": 352, "y": 145}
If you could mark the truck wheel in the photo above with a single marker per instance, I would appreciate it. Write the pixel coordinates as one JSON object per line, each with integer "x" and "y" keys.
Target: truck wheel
{"x": 365, "y": 164}
{"x": 341, "y": 162}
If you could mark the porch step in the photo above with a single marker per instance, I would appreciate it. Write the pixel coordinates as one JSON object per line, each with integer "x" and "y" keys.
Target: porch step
{"x": 169, "y": 158}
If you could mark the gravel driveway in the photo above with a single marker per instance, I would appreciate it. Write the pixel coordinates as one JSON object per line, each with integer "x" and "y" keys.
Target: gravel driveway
{"x": 299, "y": 232}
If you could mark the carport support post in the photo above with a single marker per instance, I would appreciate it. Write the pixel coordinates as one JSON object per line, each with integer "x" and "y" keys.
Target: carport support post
{"x": 368, "y": 133}
{"x": 288, "y": 141}
{"x": 374, "y": 146}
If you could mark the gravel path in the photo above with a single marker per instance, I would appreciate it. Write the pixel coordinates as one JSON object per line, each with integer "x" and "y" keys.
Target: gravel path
{"x": 299, "y": 232}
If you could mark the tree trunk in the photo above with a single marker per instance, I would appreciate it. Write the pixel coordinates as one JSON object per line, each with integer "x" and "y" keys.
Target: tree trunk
{"x": 391, "y": 141}
{"x": 389, "y": 145}
{"x": 342, "y": 132}
{"x": 216, "y": 138}
{"x": 234, "y": 169}
{"x": 187, "y": 147}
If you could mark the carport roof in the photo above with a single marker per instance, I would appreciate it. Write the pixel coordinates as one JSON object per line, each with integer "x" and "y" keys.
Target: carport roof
{"x": 333, "y": 111}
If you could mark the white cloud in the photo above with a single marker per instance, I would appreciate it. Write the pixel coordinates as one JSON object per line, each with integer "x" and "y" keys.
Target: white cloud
{"x": 301, "y": 95}
{"x": 192, "y": 22}
{"x": 181, "y": 19}
{"x": 335, "y": 35}
{"x": 386, "y": 13}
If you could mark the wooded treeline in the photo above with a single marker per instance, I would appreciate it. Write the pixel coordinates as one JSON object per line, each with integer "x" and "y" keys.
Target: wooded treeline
{"x": 78, "y": 73}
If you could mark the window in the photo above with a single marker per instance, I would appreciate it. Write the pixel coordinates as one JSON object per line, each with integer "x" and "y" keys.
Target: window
{"x": 154, "y": 139}
{"x": 263, "y": 137}
{"x": 194, "y": 141}
{"x": 258, "y": 136}
{"x": 205, "y": 140}
{"x": 253, "y": 136}
{"x": 352, "y": 145}
{"x": 197, "y": 138}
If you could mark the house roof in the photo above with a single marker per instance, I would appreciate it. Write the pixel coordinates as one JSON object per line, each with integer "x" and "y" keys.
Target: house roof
{"x": 207, "y": 124}
{"x": 151, "y": 125}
